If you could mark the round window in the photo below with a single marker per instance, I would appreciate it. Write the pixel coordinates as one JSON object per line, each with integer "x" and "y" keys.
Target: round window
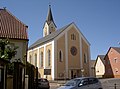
{"x": 73, "y": 50}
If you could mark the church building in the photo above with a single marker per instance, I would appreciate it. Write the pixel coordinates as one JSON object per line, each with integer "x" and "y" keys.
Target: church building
{"x": 61, "y": 53}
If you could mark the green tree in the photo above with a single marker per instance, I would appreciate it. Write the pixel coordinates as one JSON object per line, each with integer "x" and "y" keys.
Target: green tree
{"x": 7, "y": 52}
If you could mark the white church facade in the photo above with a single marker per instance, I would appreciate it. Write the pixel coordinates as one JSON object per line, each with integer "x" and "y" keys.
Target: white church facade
{"x": 62, "y": 53}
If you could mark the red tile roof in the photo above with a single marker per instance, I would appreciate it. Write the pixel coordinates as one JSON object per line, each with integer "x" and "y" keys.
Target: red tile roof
{"x": 117, "y": 49}
{"x": 11, "y": 27}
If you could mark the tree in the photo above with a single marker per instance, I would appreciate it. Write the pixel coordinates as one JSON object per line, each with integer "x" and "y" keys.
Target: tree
{"x": 7, "y": 52}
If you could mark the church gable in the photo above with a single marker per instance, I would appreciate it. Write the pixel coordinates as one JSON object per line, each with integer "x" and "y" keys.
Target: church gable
{"x": 73, "y": 35}
{"x": 73, "y": 47}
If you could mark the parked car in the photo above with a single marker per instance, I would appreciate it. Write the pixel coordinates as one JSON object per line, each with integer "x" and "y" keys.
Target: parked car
{"x": 43, "y": 83}
{"x": 82, "y": 83}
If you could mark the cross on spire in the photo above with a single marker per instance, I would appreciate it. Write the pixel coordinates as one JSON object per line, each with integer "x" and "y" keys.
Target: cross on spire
{"x": 49, "y": 16}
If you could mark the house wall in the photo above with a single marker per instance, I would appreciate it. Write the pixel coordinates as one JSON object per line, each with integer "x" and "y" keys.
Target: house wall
{"x": 99, "y": 68}
{"x": 22, "y": 49}
{"x": 112, "y": 61}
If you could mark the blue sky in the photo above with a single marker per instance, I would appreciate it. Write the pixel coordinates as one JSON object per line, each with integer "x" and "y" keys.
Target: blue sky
{"x": 98, "y": 20}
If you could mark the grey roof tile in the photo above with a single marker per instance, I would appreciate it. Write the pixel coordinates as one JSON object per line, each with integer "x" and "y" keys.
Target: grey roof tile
{"x": 48, "y": 37}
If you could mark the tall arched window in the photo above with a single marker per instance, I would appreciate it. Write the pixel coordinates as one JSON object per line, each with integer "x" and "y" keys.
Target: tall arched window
{"x": 30, "y": 58}
{"x": 60, "y": 56}
{"x": 35, "y": 59}
{"x": 85, "y": 58}
{"x": 49, "y": 58}
{"x": 41, "y": 59}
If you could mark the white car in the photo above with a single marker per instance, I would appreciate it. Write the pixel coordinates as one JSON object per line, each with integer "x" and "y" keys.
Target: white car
{"x": 82, "y": 83}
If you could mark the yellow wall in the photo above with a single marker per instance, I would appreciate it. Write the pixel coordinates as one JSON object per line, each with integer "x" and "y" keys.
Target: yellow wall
{"x": 85, "y": 50}
{"x": 61, "y": 65}
{"x": 32, "y": 53}
{"x": 48, "y": 47}
{"x": 73, "y": 61}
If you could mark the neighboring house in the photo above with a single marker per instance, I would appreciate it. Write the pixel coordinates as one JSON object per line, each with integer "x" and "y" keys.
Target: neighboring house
{"x": 100, "y": 66}
{"x": 92, "y": 71}
{"x": 60, "y": 53}
{"x": 112, "y": 63}
{"x": 13, "y": 29}
{"x": 16, "y": 31}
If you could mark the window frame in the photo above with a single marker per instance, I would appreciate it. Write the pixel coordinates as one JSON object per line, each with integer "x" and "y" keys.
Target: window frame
{"x": 41, "y": 59}
{"x": 30, "y": 59}
{"x": 49, "y": 57}
{"x": 35, "y": 59}
{"x": 60, "y": 56}
{"x": 85, "y": 58}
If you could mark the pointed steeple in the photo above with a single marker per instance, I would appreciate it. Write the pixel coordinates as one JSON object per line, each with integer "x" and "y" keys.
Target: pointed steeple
{"x": 49, "y": 16}
{"x": 49, "y": 26}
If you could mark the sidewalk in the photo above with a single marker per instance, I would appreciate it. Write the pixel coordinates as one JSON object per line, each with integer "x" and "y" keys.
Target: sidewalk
{"x": 58, "y": 82}
{"x": 110, "y": 83}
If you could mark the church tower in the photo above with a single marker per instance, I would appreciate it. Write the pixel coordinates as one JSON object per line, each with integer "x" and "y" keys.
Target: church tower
{"x": 49, "y": 25}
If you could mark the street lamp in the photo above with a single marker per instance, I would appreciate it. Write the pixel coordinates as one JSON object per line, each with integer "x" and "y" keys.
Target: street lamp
{"x": 82, "y": 70}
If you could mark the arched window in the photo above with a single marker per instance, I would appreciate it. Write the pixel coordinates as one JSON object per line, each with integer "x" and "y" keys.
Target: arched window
{"x": 45, "y": 32}
{"x": 60, "y": 56}
{"x": 35, "y": 59}
{"x": 85, "y": 58}
{"x": 49, "y": 58}
{"x": 30, "y": 58}
{"x": 73, "y": 37}
{"x": 41, "y": 59}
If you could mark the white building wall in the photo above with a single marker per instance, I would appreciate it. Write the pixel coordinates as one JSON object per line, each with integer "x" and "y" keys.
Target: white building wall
{"x": 99, "y": 68}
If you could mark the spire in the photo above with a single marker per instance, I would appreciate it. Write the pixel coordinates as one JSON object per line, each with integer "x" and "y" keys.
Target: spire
{"x": 49, "y": 16}
{"x": 49, "y": 25}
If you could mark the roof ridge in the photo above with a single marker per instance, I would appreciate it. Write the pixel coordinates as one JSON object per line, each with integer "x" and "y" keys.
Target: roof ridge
{"x": 14, "y": 17}
{"x": 51, "y": 36}
{"x": 115, "y": 47}
{"x": 11, "y": 26}
{"x": 1, "y": 9}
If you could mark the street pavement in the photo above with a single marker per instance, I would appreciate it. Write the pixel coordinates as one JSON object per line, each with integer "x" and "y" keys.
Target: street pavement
{"x": 111, "y": 83}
